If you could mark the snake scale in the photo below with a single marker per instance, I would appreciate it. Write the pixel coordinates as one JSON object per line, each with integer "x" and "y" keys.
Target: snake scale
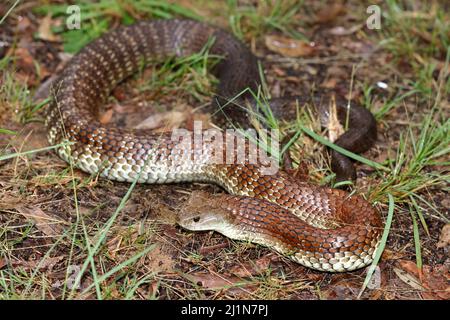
{"x": 321, "y": 228}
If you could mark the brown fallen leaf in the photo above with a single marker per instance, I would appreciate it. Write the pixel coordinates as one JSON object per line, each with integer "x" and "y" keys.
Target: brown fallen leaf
{"x": 432, "y": 281}
{"x": 48, "y": 225}
{"x": 9, "y": 201}
{"x": 329, "y": 83}
{"x": 437, "y": 280}
{"x": 171, "y": 119}
{"x": 341, "y": 31}
{"x": 391, "y": 255}
{"x": 24, "y": 23}
{"x": 152, "y": 289}
{"x": 410, "y": 267}
{"x": 409, "y": 279}
{"x": 278, "y": 71}
{"x": 252, "y": 268}
{"x": 444, "y": 239}
{"x": 208, "y": 249}
{"x": 33, "y": 136}
{"x": 343, "y": 290}
{"x": 376, "y": 294}
{"x": 290, "y": 47}
{"x": 45, "y": 30}
{"x": 49, "y": 263}
{"x": 159, "y": 260}
{"x": 24, "y": 59}
{"x": 119, "y": 93}
{"x": 125, "y": 108}
{"x": 330, "y": 13}
{"x": 334, "y": 127}
{"x": 106, "y": 116}
{"x": 214, "y": 281}
{"x": 2, "y": 262}
{"x": 26, "y": 67}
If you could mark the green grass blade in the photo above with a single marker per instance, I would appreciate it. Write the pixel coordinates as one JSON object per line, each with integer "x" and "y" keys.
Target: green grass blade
{"x": 19, "y": 154}
{"x": 417, "y": 245}
{"x": 104, "y": 232}
{"x": 119, "y": 267}
{"x": 381, "y": 246}
{"x": 6, "y": 131}
{"x": 345, "y": 152}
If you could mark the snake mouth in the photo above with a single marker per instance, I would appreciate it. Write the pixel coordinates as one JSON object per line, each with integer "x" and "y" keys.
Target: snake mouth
{"x": 201, "y": 222}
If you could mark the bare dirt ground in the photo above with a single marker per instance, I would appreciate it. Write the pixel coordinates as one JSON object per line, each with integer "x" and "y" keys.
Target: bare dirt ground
{"x": 51, "y": 218}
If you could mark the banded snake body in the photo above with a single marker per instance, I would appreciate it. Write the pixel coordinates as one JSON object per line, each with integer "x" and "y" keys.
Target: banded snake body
{"x": 321, "y": 228}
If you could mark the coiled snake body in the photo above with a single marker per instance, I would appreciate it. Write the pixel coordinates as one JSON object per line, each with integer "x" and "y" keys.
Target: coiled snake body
{"x": 322, "y": 228}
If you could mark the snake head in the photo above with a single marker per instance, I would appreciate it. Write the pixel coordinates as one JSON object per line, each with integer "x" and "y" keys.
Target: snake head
{"x": 204, "y": 211}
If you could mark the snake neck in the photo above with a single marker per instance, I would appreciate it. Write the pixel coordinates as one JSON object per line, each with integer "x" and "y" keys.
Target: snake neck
{"x": 347, "y": 246}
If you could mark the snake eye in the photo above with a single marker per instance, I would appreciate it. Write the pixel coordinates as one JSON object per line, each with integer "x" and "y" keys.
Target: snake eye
{"x": 196, "y": 219}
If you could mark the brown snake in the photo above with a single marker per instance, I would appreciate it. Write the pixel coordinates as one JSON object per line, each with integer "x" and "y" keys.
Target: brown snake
{"x": 335, "y": 232}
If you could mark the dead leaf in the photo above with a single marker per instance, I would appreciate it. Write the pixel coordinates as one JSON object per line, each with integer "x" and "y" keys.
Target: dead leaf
{"x": 33, "y": 136}
{"x": 342, "y": 290}
{"x": 278, "y": 71}
{"x": 335, "y": 128}
{"x": 410, "y": 267}
{"x": 23, "y": 24}
{"x": 376, "y": 294}
{"x": 330, "y": 13}
{"x": 330, "y": 83}
{"x": 2, "y": 262}
{"x": 50, "y": 226}
{"x": 171, "y": 119}
{"x": 252, "y": 268}
{"x": 444, "y": 239}
{"x": 158, "y": 260}
{"x": 153, "y": 288}
{"x": 193, "y": 118}
{"x": 50, "y": 262}
{"x": 151, "y": 291}
{"x": 341, "y": 31}
{"x": 433, "y": 282}
{"x": 26, "y": 67}
{"x": 206, "y": 250}
{"x": 45, "y": 30}
{"x": 409, "y": 279}
{"x": 391, "y": 255}
{"x": 125, "y": 109}
{"x": 213, "y": 281}
{"x": 119, "y": 93}
{"x": 290, "y": 47}
{"x": 437, "y": 280}
{"x": 106, "y": 116}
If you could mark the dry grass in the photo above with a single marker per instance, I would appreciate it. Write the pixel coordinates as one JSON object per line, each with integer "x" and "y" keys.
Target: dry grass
{"x": 56, "y": 221}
